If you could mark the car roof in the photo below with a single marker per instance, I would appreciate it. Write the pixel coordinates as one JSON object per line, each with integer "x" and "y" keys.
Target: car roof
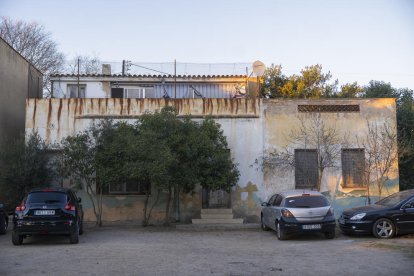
{"x": 300, "y": 192}
{"x": 50, "y": 189}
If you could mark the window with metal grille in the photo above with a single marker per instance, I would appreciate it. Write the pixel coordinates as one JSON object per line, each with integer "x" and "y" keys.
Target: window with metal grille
{"x": 127, "y": 188}
{"x": 306, "y": 168}
{"x": 328, "y": 108}
{"x": 353, "y": 167}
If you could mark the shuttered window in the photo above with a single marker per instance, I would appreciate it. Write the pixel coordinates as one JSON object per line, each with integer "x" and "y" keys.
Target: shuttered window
{"x": 306, "y": 168}
{"x": 353, "y": 167}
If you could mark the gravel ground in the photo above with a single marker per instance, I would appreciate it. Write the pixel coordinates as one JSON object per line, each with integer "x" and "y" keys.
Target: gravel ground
{"x": 166, "y": 251}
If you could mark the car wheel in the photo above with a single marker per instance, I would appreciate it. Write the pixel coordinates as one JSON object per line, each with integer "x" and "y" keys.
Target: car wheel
{"x": 383, "y": 229}
{"x": 74, "y": 235}
{"x": 17, "y": 239}
{"x": 281, "y": 235}
{"x": 264, "y": 227}
{"x": 330, "y": 234}
{"x": 3, "y": 226}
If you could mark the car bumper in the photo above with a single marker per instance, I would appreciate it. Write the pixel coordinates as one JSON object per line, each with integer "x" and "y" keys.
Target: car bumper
{"x": 291, "y": 227}
{"x": 31, "y": 227}
{"x": 355, "y": 227}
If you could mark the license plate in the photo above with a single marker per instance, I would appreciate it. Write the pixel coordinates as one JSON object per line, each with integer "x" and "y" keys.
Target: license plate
{"x": 44, "y": 212}
{"x": 311, "y": 226}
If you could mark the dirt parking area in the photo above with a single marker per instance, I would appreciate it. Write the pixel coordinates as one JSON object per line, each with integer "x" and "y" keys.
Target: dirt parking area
{"x": 134, "y": 250}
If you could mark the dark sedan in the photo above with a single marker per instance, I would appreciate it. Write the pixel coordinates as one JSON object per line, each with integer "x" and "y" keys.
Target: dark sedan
{"x": 391, "y": 216}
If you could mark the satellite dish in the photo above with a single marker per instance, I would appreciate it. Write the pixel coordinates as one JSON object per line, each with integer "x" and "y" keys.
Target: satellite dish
{"x": 243, "y": 90}
{"x": 259, "y": 68}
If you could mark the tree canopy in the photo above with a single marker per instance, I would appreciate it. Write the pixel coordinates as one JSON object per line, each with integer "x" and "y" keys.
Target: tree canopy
{"x": 161, "y": 151}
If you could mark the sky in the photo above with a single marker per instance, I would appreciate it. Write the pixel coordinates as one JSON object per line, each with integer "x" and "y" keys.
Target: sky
{"x": 356, "y": 40}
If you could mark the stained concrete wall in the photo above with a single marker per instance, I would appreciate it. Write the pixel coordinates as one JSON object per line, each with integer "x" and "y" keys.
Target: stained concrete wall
{"x": 18, "y": 80}
{"x": 252, "y": 127}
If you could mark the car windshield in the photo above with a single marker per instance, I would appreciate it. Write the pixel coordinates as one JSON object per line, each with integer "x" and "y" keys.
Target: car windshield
{"x": 395, "y": 199}
{"x": 306, "y": 202}
{"x": 46, "y": 197}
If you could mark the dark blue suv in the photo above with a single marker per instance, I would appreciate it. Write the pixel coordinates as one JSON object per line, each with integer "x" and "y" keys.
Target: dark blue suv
{"x": 48, "y": 211}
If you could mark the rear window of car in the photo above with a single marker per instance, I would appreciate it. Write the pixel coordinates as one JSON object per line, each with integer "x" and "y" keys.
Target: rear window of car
{"x": 46, "y": 197}
{"x": 306, "y": 202}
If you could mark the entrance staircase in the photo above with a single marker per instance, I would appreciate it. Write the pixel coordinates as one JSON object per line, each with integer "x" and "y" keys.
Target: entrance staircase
{"x": 217, "y": 217}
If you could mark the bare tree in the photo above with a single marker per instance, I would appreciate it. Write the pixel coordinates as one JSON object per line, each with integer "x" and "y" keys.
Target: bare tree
{"x": 35, "y": 44}
{"x": 312, "y": 134}
{"x": 381, "y": 154}
{"x": 87, "y": 65}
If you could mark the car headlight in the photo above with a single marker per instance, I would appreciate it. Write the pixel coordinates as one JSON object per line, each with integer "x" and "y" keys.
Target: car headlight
{"x": 358, "y": 216}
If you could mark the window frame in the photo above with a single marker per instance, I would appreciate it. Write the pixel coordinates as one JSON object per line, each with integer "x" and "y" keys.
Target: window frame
{"x": 69, "y": 92}
{"x": 139, "y": 192}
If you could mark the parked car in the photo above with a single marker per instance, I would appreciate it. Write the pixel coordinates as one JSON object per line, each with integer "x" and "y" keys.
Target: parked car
{"x": 388, "y": 217}
{"x": 4, "y": 220}
{"x": 298, "y": 211}
{"x": 48, "y": 211}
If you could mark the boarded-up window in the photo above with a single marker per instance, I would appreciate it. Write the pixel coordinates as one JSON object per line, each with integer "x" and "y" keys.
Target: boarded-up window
{"x": 353, "y": 167}
{"x": 73, "y": 91}
{"x": 306, "y": 168}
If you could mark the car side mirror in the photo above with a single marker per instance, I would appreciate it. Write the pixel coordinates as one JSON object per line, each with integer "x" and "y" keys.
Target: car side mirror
{"x": 265, "y": 204}
{"x": 79, "y": 199}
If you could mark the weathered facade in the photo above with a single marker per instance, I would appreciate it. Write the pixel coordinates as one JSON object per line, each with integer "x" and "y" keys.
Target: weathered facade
{"x": 254, "y": 128}
{"x": 18, "y": 80}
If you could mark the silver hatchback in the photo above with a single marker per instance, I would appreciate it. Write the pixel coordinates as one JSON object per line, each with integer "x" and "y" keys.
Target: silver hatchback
{"x": 298, "y": 211}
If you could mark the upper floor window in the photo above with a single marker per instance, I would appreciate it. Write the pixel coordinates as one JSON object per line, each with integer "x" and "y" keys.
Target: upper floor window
{"x": 133, "y": 92}
{"x": 73, "y": 91}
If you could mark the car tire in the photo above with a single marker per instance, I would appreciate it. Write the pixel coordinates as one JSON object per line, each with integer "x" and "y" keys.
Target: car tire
{"x": 74, "y": 235}
{"x": 281, "y": 235}
{"x": 383, "y": 228}
{"x": 330, "y": 234}
{"x": 17, "y": 239}
{"x": 264, "y": 227}
{"x": 3, "y": 226}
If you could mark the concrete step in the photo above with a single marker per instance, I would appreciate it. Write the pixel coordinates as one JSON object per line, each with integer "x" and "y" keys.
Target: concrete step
{"x": 218, "y": 216}
{"x": 216, "y": 211}
{"x": 217, "y": 221}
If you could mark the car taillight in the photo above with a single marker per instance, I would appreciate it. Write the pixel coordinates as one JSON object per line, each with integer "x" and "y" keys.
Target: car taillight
{"x": 330, "y": 212}
{"x": 21, "y": 207}
{"x": 70, "y": 207}
{"x": 286, "y": 213}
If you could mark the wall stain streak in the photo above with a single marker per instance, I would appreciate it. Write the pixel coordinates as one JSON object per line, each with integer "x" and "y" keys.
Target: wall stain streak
{"x": 34, "y": 114}
{"x": 129, "y": 106}
{"x": 58, "y": 117}
{"x": 48, "y": 123}
{"x": 80, "y": 106}
{"x": 121, "y": 103}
